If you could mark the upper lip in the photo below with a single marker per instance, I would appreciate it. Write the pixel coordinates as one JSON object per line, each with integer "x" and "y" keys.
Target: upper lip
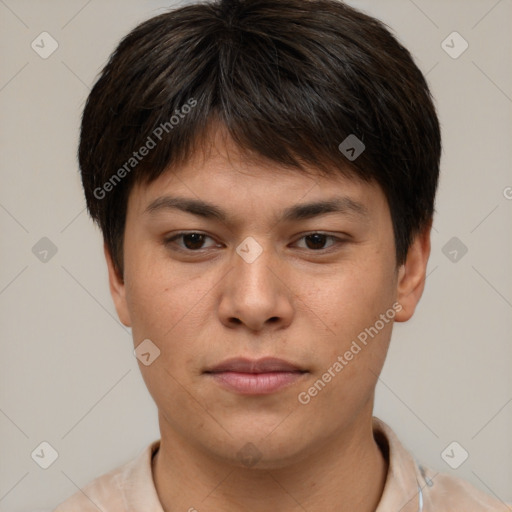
{"x": 263, "y": 365}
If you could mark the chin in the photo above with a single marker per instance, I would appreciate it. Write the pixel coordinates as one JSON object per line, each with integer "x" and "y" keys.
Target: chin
{"x": 250, "y": 449}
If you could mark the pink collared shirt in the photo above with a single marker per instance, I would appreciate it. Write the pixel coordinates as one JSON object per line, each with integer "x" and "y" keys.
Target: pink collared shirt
{"x": 409, "y": 487}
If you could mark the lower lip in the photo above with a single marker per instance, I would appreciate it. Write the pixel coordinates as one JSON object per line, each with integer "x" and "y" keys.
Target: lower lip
{"x": 256, "y": 383}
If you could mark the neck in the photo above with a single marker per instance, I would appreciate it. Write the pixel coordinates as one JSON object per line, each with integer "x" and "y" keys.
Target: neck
{"x": 345, "y": 473}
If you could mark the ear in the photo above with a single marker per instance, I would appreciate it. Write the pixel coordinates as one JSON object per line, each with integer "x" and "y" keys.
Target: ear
{"x": 412, "y": 274}
{"x": 117, "y": 289}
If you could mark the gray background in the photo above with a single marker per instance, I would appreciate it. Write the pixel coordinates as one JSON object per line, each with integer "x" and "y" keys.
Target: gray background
{"x": 68, "y": 374}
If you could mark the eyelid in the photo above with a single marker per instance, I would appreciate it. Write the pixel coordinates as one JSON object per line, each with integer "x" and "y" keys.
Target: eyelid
{"x": 336, "y": 239}
{"x": 170, "y": 239}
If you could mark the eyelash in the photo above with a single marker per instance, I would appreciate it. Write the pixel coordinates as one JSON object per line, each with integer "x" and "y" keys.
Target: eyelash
{"x": 169, "y": 241}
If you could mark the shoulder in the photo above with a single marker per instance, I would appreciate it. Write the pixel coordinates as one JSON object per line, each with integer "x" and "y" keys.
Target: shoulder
{"x": 443, "y": 492}
{"x": 412, "y": 487}
{"x": 117, "y": 489}
{"x": 103, "y": 493}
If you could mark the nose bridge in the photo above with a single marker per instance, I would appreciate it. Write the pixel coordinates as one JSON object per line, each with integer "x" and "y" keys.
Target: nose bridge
{"x": 253, "y": 292}
{"x": 253, "y": 268}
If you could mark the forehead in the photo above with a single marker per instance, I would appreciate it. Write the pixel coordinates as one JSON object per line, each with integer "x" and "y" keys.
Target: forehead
{"x": 220, "y": 173}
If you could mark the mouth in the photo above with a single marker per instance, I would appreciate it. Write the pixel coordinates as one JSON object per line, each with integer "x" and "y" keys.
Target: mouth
{"x": 255, "y": 377}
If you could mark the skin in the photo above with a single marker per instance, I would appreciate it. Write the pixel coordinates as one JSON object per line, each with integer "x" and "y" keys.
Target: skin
{"x": 298, "y": 301}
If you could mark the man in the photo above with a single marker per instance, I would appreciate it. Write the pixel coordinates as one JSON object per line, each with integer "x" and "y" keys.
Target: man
{"x": 264, "y": 175}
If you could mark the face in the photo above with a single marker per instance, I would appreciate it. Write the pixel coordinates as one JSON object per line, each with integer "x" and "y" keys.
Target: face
{"x": 244, "y": 265}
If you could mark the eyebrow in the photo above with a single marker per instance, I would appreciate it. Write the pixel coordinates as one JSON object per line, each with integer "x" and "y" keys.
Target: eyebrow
{"x": 302, "y": 211}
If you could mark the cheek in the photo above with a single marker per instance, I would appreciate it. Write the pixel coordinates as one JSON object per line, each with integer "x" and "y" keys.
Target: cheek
{"x": 350, "y": 300}
{"x": 167, "y": 305}
{"x": 151, "y": 290}
{"x": 161, "y": 309}
{"x": 353, "y": 351}
{"x": 351, "y": 354}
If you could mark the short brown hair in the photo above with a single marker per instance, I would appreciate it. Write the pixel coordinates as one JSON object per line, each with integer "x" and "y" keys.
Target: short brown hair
{"x": 289, "y": 79}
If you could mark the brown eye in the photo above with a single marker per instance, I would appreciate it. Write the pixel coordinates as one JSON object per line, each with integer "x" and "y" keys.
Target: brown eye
{"x": 191, "y": 242}
{"x": 317, "y": 241}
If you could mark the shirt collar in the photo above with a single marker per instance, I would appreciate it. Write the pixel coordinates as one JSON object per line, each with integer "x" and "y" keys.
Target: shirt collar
{"x": 401, "y": 489}
{"x": 402, "y": 492}
{"x": 139, "y": 492}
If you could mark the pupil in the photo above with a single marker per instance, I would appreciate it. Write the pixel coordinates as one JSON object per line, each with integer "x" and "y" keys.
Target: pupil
{"x": 197, "y": 240}
{"x": 318, "y": 239}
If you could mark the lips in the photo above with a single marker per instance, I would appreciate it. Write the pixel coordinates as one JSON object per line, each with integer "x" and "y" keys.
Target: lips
{"x": 255, "y": 376}
{"x": 264, "y": 365}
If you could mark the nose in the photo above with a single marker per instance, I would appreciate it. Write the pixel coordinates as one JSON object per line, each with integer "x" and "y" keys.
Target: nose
{"x": 255, "y": 294}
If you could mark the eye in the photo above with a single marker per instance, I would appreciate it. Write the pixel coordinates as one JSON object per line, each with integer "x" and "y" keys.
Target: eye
{"x": 192, "y": 241}
{"x": 316, "y": 241}
{"x": 195, "y": 241}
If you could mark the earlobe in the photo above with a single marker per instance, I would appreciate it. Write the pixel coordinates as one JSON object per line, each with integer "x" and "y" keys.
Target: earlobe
{"x": 117, "y": 289}
{"x": 412, "y": 274}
